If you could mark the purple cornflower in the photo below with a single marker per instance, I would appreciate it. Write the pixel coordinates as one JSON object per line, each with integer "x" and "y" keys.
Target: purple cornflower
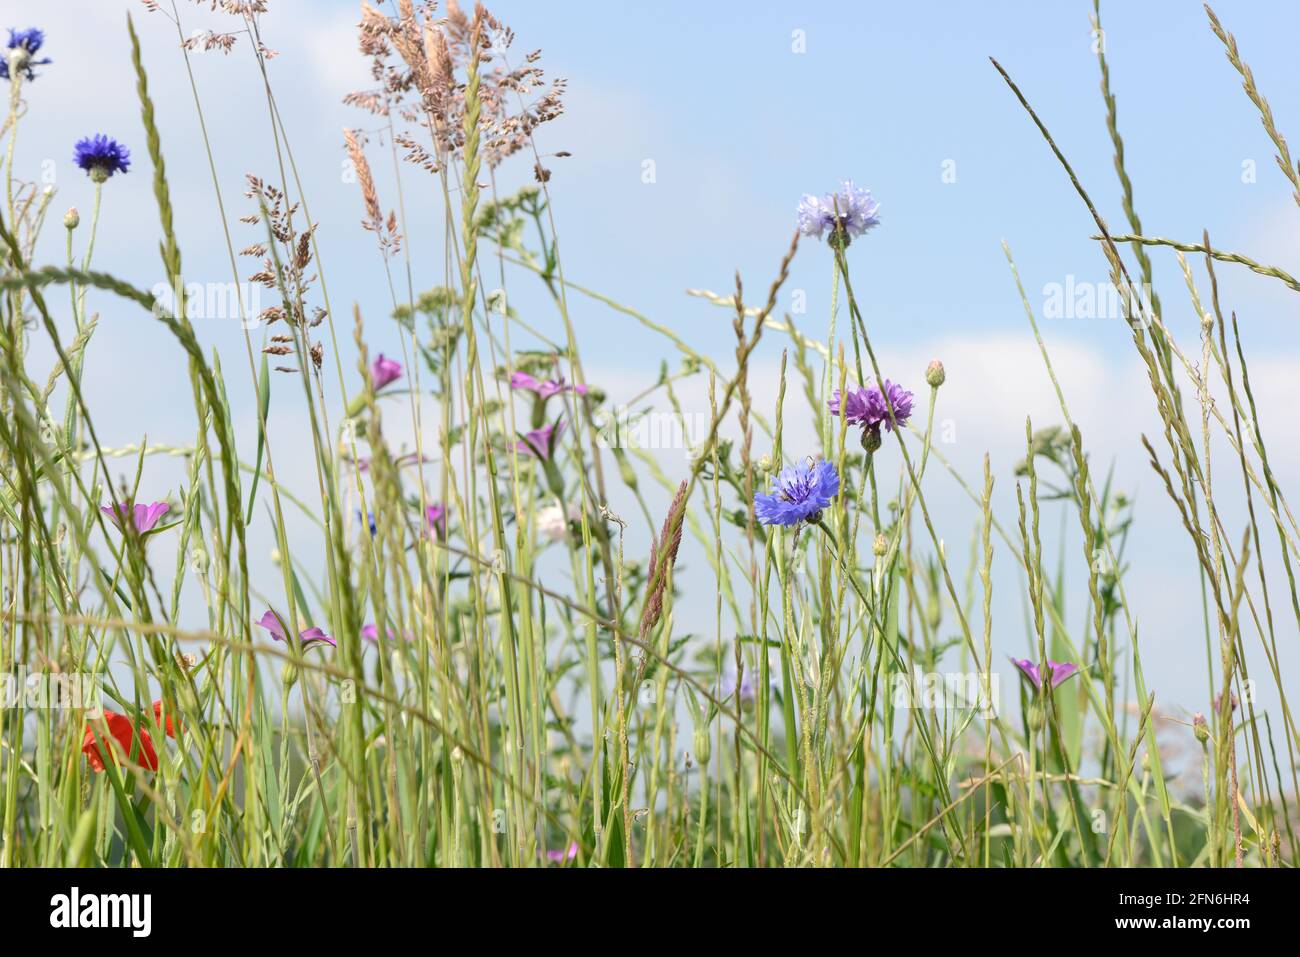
{"x": 1058, "y": 671}
{"x": 435, "y": 517}
{"x": 544, "y": 389}
{"x": 901, "y": 401}
{"x": 541, "y": 442}
{"x": 848, "y": 213}
{"x": 801, "y": 492}
{"x": 865, "y": 405}
{"x": 384, "y": 371}
{"x": 143, "y": 517}
{"x": 860, "y": 406}
{"x": 101, "y": 156}
{"x": 274, "y": 623}
{"x": 22, "y": 47}
{"x": 559, "y": 857}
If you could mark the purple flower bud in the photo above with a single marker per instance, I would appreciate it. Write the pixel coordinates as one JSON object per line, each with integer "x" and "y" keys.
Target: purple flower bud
{"x": 384, "y": 371}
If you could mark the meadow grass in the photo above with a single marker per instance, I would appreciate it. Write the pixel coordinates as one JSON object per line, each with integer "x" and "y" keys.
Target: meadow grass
{"x": 496, "y": 679}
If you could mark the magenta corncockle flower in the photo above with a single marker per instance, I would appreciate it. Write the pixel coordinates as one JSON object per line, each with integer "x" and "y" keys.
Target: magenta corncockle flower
{"x": 143, "y": 517}
{"x": 1059, "y": 671}
{"x": 384, "y": 370}
{"x": 568, "y": 854}
{"x": 274, "y": 623}
{"x": 371, "y": 633}
{"x": 544, "y": 389}
{"x": 541, "y": 442}
{"x": 435, "y": 517}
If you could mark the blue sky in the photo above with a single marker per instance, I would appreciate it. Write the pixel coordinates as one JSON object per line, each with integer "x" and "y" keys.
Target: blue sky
{"x": 738, "y": 124}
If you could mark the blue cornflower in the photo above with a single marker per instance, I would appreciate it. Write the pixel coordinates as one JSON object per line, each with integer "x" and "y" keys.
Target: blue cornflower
{"x": 848, "y": 213}
{"x": 801, "y": 492}
{"x": 101, "y": 156}
{"x": 22, "y": 47}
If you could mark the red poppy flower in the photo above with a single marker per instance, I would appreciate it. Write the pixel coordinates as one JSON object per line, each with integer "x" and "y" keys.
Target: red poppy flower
{"x": 122, "y": 730}
{"x": 157, "y": 716}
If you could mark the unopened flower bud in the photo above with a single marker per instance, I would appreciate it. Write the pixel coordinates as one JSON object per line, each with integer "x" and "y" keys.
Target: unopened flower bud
{"x": 934, "y": 374}
{"x": 702, "y": 743}
{"x": 1035, "y": 717}
{"x": 72, "y": 218}
{"x": 880, "y": 546}
{"x": 1200, "y": 728}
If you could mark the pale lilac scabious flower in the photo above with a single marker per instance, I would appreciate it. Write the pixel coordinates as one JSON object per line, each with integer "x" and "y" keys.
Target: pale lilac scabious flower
{"x": 846, "y": 214}
{"x": 814, "y": 217}
{"x": 274, "y": 623}
{"x": 748, "y": 685}
{"x": 553, "y": 522}
{"x": 384, "y": 371}
{"x": 1058, "y": 671}
{"x": 143, "y": 517}
{"x": 544, "y": 388}
{"x": 541, "y": 441}
{"x": 800, "y": 493}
